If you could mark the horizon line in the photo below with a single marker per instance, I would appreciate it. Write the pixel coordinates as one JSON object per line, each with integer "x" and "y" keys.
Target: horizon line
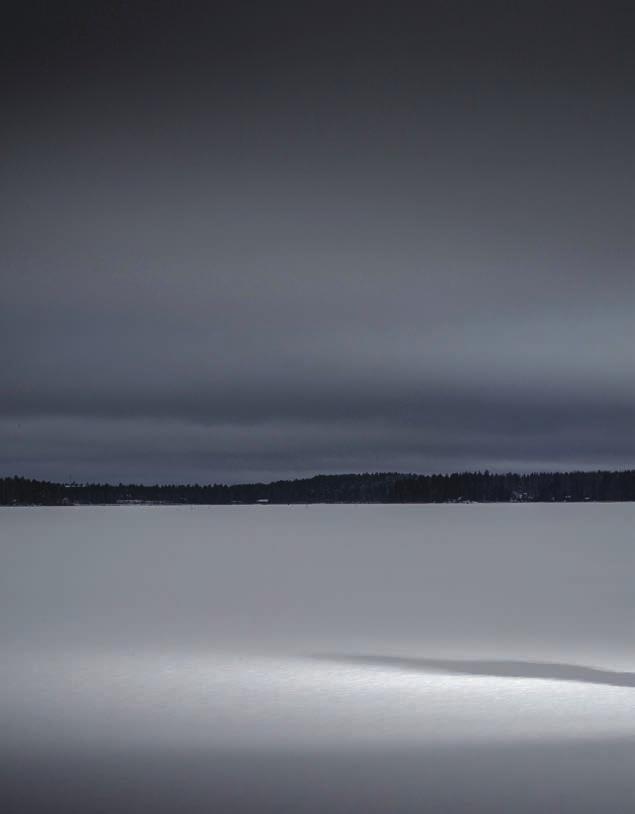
{"x": 369, "y": 473}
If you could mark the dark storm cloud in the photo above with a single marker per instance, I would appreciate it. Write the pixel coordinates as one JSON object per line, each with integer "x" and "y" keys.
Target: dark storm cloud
{"x": 537, "y": 39}
{"x": 257, "y": 240}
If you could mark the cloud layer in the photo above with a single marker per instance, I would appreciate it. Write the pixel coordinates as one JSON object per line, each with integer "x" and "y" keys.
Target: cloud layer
{"x": 324, "y": 242}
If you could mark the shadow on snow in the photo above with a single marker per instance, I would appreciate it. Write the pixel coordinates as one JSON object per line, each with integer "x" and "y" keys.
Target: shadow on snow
{"x": 548, "y": 671}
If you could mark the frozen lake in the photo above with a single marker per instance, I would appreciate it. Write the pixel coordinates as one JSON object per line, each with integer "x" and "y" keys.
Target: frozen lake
{"x": 325, "y": 658}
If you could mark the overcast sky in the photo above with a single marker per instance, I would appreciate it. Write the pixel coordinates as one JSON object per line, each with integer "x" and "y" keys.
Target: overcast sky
{"x": 253, "y": 241}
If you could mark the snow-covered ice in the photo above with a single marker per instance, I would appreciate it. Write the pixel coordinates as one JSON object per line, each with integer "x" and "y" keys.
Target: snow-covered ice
{"x": 341, "y": 658}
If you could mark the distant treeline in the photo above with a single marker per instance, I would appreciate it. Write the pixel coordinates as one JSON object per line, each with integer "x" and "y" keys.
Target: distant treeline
{"x": 384, "y": 487}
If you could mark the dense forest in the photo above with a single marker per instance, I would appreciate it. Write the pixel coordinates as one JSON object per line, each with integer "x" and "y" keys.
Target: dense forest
{"x": 383, "y": 487}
